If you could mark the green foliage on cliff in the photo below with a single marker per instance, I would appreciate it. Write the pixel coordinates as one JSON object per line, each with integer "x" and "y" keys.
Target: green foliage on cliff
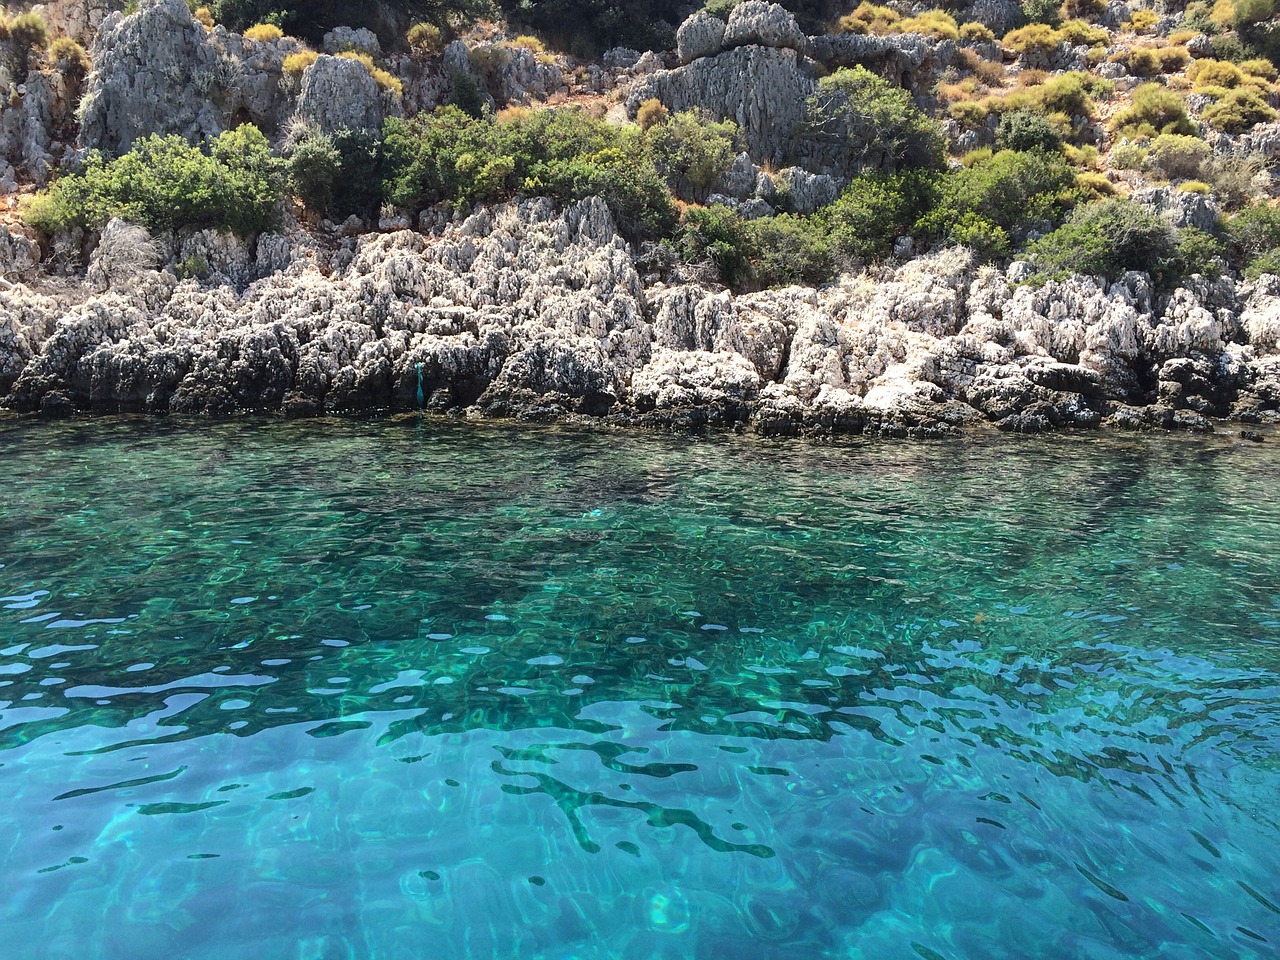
{"x": 450, "y": 156}
{"x": 877, "y": 209}
{"x": 757, "y": 254}
{"x": 858, "y": 121}
{"x": 1106, "y": 239}
{"x": 165, "y": 183}
{"x": 988, "y": 204}
{"x": 337, "y": 175}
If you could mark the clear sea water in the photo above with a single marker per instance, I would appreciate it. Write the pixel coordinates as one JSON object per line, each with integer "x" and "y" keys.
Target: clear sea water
{"x": 429, "y": 690}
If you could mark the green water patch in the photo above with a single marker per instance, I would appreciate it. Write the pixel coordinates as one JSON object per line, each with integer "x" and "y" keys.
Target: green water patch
{"x": 342, "y": 689}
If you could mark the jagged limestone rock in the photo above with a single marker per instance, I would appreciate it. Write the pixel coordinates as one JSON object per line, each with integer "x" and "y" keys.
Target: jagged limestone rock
{"x": 153, "y": 72}
{"x": 342, "y": 39}
{"x": 762, "y": 89}
{"x": 756, "y": 23}
{"x": 531, "y": 311}
{"x": 1180, "y": 208}
{"x": 339, "y": 94}
{"x": 702, "y": 35}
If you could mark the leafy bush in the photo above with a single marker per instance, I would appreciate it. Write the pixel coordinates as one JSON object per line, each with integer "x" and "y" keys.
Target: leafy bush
{"x": 1194, "y": 186}
{"x": 164, "y": 183}
{"x": 756, "y": 254}
{"x": 985, "y": 205}
{"x": 563, "y": 153}
{"x": 204, "y": 17}
{"x": 1268, "y": 262}
{"x": 1255, "y": 230}
{"x": 1041, "y": 11}
{"x": 1027, "y": 130}
{"x": 264, "y": 32}
{"x": 1127, "y": 156}
{"x": 1152, "y": 110}
{"x": 1239, "y": 110}
{"x": 789, "y": 250}
{"x": 1175, "y": 156}
{"x": 314, "y": 169}
{"x": 875, "y": 210}
{"x": 867, "y": 122}
{"x": 717, "y": 235}
{"x": 1195, "y": 252}
{"x": 1106, "y": 238}
{"x": 692, "y": 151}
{"x": 425, "y": 38}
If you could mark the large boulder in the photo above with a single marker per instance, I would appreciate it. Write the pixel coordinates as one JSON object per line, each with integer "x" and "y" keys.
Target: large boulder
{"x": 153, "y": 72}
{"x": 755, "y": 22}
{"x": 1180, "y": 208}
{"x": 762, "y": 89}
{"x": 702, "y": 35}
{"x": 339, "y": 94}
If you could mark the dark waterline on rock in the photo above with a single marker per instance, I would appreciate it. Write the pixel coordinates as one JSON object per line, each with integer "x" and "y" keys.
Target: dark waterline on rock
{"x": 365, "y": 689}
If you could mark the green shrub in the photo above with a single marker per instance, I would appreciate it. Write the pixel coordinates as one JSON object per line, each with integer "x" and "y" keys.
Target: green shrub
{"x": 789, "y": 250}
{"x": 314, "y": 168}
{"x": 563, "y": 153}
{"x": 1106, "y": 238}
{"x": 1027, "y": 130}
{"x": 865, "y": 122}
{"x": 1042, "y": 11}
{"x": 1127, "y": 156}
{"x": 1195, "y": 252}
{"x": 1152, "y": 110}
{"x": 1255, "y": 230}
{"x": 692, "y": 151}
{"x": 877, "y": 209}
{"x": 720, "y": 9}
{"x": 757, "y": 254}
{"x": 1002, "y": 195}
{"x": 165, "y": 183}
{"x": 1268, "y": 262}
{"x": 1176, "y": 156}
{"x": 1239, "y": 110}
{"x": 717, "y": 235}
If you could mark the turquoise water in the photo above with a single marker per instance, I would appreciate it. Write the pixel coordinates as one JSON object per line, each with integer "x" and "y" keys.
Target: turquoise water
{"x": 426, "y": 690}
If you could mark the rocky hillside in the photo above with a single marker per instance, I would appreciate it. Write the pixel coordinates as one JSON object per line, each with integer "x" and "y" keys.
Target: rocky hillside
{"x": 915, "y": 221}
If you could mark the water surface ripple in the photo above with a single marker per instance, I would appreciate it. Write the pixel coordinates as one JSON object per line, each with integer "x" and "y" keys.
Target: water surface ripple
{"x": 396, "y": 690}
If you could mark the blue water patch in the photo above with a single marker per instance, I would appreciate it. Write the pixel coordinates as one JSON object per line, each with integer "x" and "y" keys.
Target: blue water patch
{"x": 1010, "y": 699}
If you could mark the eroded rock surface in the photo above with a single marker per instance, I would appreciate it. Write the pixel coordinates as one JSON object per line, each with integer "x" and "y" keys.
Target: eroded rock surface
{"x": 534, "y": 312}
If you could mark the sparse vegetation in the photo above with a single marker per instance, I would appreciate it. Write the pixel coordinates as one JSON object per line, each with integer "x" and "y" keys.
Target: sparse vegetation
{"x": 264, "y": 32}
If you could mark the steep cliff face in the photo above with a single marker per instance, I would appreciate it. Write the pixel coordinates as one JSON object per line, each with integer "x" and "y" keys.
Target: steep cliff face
{"x": 528, "y": 311}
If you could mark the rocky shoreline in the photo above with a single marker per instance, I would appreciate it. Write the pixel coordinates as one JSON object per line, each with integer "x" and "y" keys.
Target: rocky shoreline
{"x": 532, "y": 312}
